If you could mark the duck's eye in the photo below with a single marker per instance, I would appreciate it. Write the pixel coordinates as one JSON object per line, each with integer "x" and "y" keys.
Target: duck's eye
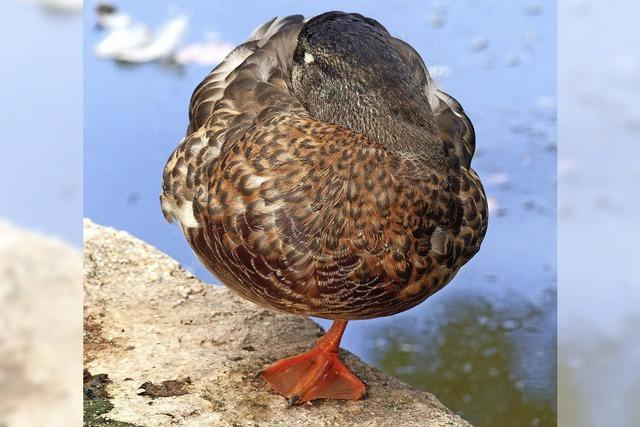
{"x": 308, "y": 58}
{"x": 302, "y": 57}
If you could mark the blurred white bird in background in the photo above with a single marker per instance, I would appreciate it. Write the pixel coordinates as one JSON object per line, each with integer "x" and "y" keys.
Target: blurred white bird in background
{"x": 206, "y": 53}
{"x": 132, "y": 41}
{"x": 60, "y": 6}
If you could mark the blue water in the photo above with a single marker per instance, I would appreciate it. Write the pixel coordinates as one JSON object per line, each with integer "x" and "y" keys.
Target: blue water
{"x": 41, "y": 117}
{"x": 136, "y": 115}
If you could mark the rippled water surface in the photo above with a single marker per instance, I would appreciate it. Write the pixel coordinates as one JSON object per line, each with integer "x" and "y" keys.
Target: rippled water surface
{"x": 486, "y": 344}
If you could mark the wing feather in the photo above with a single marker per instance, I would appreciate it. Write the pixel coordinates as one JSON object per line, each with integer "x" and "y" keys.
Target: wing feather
{"x": 453, "y": 123}
{"x": 251, "y": 80}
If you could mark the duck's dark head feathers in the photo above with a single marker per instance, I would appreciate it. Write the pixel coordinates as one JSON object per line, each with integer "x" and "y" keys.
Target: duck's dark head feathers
{"x": 346, "y": 69}
{"x": 346, "y": 39}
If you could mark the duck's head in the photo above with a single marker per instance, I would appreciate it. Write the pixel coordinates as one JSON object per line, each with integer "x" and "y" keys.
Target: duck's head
{"x": 346, "y": 70}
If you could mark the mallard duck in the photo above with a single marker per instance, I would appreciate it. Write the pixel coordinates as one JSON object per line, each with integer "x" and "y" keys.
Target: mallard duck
{"x": 324, "y": 174}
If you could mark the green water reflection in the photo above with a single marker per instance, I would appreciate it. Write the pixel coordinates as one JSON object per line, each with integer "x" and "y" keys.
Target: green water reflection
{"x": 469, "y": 353}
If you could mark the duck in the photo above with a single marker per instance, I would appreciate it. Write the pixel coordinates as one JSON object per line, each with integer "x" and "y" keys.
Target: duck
{"x": 323, "y": 173}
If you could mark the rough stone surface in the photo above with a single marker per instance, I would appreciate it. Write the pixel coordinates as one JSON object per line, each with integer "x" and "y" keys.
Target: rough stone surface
{"x": 40, "y": 330}
{"x": 195, "y": 350}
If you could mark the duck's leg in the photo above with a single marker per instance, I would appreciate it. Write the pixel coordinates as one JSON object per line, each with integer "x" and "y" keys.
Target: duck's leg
{"x": 316, "y": 374}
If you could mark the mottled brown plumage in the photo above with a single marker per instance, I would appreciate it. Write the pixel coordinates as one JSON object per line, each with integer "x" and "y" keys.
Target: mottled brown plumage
{"x": 311, "y": 217}
{"x": 324, "y": 174}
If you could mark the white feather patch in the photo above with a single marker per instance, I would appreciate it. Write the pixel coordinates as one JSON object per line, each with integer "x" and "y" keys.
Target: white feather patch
{"x": 254, "y": 181}
{"x": 308, "y": 58}
{"x": 185, "y": 216}
{"x": 184, "y": 213}
{"x": 439, "y": 240}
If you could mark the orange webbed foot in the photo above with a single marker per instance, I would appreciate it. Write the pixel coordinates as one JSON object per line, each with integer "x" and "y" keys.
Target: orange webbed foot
{"x": 316, "y": 374}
